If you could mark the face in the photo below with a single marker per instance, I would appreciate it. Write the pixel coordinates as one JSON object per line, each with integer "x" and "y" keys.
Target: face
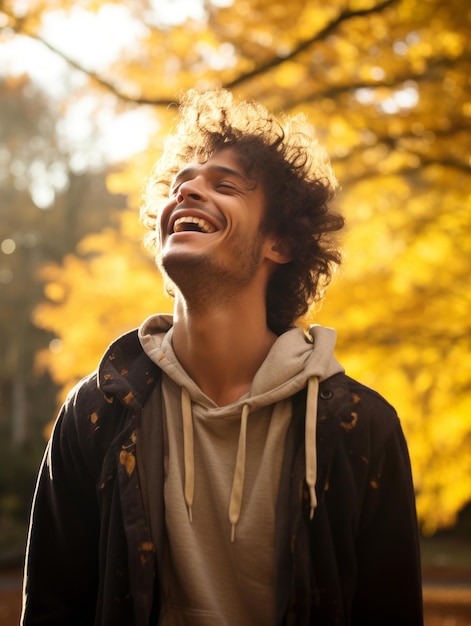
{"x": 210, "y": 229}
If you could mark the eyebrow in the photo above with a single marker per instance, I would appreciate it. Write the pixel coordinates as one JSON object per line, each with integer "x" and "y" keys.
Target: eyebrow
{"x": 188, "y": 172}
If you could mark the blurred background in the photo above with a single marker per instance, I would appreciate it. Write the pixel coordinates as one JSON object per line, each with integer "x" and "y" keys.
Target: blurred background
{"x": 87, "y": 96}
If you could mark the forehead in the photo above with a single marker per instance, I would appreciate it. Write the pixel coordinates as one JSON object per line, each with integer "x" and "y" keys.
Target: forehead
{"x": 222, "y": 162}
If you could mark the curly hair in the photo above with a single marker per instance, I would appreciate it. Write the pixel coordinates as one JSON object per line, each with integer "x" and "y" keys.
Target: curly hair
{"x": 295, "y": 173}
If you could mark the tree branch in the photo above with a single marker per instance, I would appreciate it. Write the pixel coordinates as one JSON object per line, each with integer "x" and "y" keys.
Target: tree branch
{"x": 322, "y": 34}
{"x": 333, "y": 91}
{"x": 96, "y": 78}
{"x": 370, "y": 172}
{"x": 393, "y": 142}
{"x": 242, "y": 78}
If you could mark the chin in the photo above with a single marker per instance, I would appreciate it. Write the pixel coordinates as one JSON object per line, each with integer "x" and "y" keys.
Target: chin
{"x": 185, "y": 269}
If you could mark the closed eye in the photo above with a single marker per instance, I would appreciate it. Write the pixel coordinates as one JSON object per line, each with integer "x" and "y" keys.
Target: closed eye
{"x": 226, "y": 186}
{"x": 237, "y": 182}
{"x": 222, "y": 187}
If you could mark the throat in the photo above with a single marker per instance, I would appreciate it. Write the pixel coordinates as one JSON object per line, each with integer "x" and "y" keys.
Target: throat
{"x": 224, "y": 397}
{"x": 203, "y": 351}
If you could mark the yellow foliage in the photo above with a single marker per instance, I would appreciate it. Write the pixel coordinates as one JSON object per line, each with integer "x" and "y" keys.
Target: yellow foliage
{"x": 289, "y": 75}
{"x": 389, "y": 93}
{"x": 112, "y": 285}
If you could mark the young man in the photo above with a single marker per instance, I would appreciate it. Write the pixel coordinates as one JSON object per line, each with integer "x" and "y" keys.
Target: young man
{"x": 220, "y": 468}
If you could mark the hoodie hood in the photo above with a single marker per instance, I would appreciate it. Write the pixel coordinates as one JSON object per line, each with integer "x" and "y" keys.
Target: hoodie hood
{"x": 297, "y": 360}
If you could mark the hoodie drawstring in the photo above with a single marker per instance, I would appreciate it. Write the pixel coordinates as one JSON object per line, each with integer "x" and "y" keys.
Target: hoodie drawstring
{"x": 310, "y": 440}
{"x": 235, "y": 502}
{"x": 237, "y": 491}
{"x": 188, "y": 451}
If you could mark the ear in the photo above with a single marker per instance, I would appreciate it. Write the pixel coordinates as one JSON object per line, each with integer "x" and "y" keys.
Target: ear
{"x": 278, "y": 251}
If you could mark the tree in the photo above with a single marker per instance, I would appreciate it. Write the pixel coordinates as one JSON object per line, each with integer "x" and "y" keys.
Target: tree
{"x": 45, "y": 209}
{"x": 385, "y": 84}
{"x": 114, "y": 284}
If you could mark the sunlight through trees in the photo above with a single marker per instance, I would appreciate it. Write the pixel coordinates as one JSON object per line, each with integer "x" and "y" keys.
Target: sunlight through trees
{"x": 386, "y": 84}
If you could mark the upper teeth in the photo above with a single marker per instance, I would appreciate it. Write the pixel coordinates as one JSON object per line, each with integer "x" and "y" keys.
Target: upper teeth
{"x": 202, "y": 224}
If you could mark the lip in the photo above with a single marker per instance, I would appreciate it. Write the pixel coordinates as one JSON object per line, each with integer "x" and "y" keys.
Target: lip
{"x": 180, "y": 212}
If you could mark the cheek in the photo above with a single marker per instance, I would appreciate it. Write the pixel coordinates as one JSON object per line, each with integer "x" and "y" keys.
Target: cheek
{"x": 163, "y": 215}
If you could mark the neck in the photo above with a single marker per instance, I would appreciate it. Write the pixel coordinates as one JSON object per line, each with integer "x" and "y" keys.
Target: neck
{"x": 223, "y": 347}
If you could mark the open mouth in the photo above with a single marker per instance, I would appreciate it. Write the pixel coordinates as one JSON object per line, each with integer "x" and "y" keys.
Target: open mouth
{"x": 192, "y": 224}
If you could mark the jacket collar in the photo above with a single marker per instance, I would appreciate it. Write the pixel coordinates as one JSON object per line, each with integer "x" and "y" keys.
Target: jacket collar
{"x": 126, "y": 372}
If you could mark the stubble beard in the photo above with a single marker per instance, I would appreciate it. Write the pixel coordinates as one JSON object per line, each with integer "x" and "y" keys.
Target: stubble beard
{"x": 203, "y": 281}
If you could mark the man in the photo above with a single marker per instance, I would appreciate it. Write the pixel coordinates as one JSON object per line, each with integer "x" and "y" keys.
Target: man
{"x": 220, "y": 467}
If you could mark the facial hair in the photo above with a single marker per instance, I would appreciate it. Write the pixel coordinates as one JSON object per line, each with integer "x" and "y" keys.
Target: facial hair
{"x": 203, "y": 279}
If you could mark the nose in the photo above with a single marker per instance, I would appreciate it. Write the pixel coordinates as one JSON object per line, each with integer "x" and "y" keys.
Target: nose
{"x": 193, "y": 189}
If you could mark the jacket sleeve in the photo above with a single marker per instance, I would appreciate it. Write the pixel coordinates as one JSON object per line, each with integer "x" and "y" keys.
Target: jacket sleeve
{"x": 61, "y": 572}
{"x": 388, "y": 589}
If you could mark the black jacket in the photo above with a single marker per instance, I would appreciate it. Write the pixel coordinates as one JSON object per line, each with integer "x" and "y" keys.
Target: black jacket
{"x": 91, "y": 560}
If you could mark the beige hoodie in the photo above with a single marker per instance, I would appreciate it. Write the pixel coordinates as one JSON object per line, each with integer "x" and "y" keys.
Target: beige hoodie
{"x": 223, "y": 466}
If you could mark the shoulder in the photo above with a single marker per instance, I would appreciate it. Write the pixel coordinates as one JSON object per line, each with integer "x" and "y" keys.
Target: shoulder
{"x": 341, "y": 383}
{"x": 120, "y": 385}
{"x": 352, "y": 392}
{"x": 361, "y": 411}
{"x": 369, "y": 401}
{"x": 372, "y": 407}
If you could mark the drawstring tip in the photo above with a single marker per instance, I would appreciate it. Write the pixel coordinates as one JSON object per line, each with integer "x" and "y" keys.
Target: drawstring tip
{"x": 233, "y": 533}
{"x": 313, "y": 498}
{"x": 190, "y": 513}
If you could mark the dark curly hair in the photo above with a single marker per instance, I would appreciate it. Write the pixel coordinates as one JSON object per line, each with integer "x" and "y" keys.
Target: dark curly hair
{"x": 295, "y": 174}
